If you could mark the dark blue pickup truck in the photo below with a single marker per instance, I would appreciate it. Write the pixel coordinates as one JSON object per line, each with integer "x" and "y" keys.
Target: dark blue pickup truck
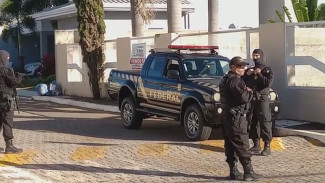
{"x": 182, "y": 86}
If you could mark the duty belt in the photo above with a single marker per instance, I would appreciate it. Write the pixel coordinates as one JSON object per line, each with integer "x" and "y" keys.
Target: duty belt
{"x": 235, "y": 112}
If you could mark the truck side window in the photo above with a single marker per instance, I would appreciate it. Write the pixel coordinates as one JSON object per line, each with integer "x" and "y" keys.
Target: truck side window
{"x": 224, "y": 65}
{"x": 157, "y": 67}
{"x": 190, "y": 68}
{"x": 172, "y": 64}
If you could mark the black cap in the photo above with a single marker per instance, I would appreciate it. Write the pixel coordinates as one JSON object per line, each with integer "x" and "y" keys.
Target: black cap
{"x": 238, "y": 61}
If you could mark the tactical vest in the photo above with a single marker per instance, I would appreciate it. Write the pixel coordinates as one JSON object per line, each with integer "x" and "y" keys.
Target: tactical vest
{"x": 228, "y": 101}
{"x": 6, "y": 92}
{"x": 264, "y": 91}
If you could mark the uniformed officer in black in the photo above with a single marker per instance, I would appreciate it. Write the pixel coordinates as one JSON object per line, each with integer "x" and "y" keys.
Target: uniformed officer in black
{"x": 260, "y": 79}
{"x": 235, "y": 97}
{"x": 8, "y": 82}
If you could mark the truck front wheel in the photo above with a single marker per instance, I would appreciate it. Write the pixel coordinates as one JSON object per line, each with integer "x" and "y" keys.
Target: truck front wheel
{"x": 131, "y": 118}
{"x": 193, "y": 124}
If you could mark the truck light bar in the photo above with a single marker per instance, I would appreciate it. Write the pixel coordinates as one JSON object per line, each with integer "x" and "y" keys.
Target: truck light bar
{"x": 192, "y": 47}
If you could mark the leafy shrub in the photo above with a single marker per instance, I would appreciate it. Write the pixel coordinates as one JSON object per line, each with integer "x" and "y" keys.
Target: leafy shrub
{"x": 31, "y": 82}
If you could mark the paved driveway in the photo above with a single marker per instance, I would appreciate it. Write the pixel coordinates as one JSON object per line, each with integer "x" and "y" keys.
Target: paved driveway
{"x": 69, "y": 144}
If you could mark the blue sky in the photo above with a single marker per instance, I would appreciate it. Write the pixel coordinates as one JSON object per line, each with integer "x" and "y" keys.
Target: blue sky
{"x": 239, "y": 12}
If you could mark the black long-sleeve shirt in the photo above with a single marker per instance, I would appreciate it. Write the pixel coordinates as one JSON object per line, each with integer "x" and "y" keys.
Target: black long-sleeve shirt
{"x": 234, "y": 90}
{"x": 260, "y": 82}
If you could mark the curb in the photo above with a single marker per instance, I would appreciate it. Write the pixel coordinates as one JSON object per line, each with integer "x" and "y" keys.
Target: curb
{"x": 292, "y": 132}
{"x": 109, "y": 108}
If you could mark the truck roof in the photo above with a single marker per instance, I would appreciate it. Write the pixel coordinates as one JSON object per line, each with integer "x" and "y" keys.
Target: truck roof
{"x": 190, "y": 55}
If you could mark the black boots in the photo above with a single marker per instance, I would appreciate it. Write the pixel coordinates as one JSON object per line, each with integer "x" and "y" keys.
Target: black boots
{"x": 234, "y": 172}
{"x": 256, "y": 149}
{"x": 249, "y": 174}
{"x": 267, "y": 149}
{"x": 11, "y": 149}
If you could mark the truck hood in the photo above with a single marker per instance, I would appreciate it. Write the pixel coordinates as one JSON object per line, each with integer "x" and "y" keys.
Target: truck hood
{"x": 209, "y": 83}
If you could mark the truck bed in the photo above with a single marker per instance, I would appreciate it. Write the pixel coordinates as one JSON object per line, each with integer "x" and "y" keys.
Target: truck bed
{"x": 119, "y": 77}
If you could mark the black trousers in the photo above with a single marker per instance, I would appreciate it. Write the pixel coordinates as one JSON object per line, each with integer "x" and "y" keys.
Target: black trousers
{"x": 6, "y": 121}
{"x": 261, "y": 124}
{"x": 236, "y": 139}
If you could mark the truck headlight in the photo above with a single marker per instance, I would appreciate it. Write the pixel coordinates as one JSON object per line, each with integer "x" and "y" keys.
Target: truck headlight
{"x": 273, "y": 95}
{"x": 216, "y": 97}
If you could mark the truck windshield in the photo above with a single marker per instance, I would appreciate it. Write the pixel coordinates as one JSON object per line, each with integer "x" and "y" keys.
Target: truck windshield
{"x": 205, "y": 68}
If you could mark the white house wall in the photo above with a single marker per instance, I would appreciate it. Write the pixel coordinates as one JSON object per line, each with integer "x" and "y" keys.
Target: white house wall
{"x": 68, "y": 23}
{"x": 118, "y": 24}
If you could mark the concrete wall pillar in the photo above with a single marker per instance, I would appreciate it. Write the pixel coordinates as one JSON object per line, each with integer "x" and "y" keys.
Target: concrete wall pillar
{"x": 297, "y": 103}
{"x": 272, "y": 42}
{"x": 123, "y": 53}
{"x": 267, "y": 10}
{"x": 163, "y": 40}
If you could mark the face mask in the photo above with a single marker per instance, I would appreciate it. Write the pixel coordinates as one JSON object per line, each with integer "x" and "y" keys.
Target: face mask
{"x": 9, "y": 65}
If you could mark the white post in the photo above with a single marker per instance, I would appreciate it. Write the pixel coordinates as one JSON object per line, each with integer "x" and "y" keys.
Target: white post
{"x": 213, "y": 24}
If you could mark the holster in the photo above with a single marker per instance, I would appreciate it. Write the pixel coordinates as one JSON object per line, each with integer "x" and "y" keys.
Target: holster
{"x": 7, "y": 102}
{"x": 256, "y": 96}
{"x": 249, "y": 118}
{"x": 237, "y": 114}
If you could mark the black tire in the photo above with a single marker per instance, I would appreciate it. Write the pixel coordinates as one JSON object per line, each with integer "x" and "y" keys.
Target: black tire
{"x": 131, "y": 118}
{"x": 194, "y": 124}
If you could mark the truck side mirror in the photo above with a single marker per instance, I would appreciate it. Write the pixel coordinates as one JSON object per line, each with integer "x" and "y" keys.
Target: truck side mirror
{"x": 172, "y": 74}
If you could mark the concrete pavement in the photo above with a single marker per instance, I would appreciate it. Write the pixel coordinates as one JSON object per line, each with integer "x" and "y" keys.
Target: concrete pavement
{"x": 72, "y": 144}
{"x": 284, "y": 127}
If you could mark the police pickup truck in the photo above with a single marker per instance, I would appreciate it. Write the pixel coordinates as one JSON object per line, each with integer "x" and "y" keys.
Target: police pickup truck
{"x": 175, "y": 84}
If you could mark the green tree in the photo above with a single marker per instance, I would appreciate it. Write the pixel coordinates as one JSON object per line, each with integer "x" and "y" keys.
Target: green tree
{"x": 305, "y": 11}
{"x": 90, "y": 16}
{"x": 16, "y": 15}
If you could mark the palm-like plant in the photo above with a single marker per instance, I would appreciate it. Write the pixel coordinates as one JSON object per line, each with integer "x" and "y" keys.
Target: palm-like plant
{"x": 144, "y": 8}
{"x": 305, "y": 11}
{"x": 90, "y": 15}
{"x": 19, "y": 12}
{"x": 142, "y": 12}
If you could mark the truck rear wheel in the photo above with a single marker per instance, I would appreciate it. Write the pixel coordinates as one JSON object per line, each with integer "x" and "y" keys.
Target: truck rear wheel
{"x": 131, "y": 118}
{"x": 193, "y": 124}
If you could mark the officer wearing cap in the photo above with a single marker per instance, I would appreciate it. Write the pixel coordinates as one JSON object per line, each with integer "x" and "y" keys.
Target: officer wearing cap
{"x": 235, "y": 97}
{"x": 260, "y": 78}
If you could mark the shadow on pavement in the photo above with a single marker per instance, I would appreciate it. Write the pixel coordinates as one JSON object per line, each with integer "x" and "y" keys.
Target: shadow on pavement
{"x": 93, "y": 169}
{"x": 83, "y": 144}
{"x": 41, "y": 106}
{"x": 40, "y": 116}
